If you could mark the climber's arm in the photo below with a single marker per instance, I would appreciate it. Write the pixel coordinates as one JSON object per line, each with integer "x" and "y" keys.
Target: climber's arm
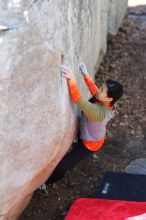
{"x": 91, "y": 85}
{"x": 88, "y": 80}
{"x": 93, "y": 112}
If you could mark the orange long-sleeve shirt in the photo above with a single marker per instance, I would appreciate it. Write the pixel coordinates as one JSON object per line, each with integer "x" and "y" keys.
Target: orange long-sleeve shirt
{"x": 92, "y": 111}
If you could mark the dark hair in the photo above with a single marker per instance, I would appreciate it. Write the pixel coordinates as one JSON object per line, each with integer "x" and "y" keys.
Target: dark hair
{"x": 93, "y": 99}
{"x": 115, "y": 90}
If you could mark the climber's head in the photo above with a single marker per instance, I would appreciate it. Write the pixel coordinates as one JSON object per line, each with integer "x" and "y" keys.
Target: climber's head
{"x": 110, "y": 92}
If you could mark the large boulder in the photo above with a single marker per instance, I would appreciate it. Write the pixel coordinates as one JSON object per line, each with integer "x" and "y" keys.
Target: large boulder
{"x": 37, "y": 119}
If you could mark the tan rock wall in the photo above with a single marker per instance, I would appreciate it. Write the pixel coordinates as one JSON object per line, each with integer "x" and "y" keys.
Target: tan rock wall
{"x": 37, "y": 119}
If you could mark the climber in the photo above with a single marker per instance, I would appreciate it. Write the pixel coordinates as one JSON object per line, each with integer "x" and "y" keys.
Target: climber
{"x": 94, "y": 116}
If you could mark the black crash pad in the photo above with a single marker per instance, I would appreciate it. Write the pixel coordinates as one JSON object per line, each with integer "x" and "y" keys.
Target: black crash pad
{"x": 122, "y": 186}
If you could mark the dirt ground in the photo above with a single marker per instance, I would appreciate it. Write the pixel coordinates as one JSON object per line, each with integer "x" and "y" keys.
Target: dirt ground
{"x": 126, "y": 134}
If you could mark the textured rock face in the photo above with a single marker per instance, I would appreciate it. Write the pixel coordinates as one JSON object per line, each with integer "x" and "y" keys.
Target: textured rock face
{"x": 116, "y": 12}
{"x": 37, "y": 119}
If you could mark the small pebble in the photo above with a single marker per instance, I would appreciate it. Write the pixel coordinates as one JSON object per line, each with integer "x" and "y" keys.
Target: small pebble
{"x": 95, "y": 156}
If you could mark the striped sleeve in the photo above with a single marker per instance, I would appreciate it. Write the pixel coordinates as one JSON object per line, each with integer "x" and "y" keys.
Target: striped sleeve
{"x": 73, "y": 90}
{"x": 92, "y": 111}
{"x": 91, "y": 85}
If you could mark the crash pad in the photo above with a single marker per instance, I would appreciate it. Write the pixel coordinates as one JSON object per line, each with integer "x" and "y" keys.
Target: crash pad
{"x": 122, "y": 186}
{"x": 102, "y": 209}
